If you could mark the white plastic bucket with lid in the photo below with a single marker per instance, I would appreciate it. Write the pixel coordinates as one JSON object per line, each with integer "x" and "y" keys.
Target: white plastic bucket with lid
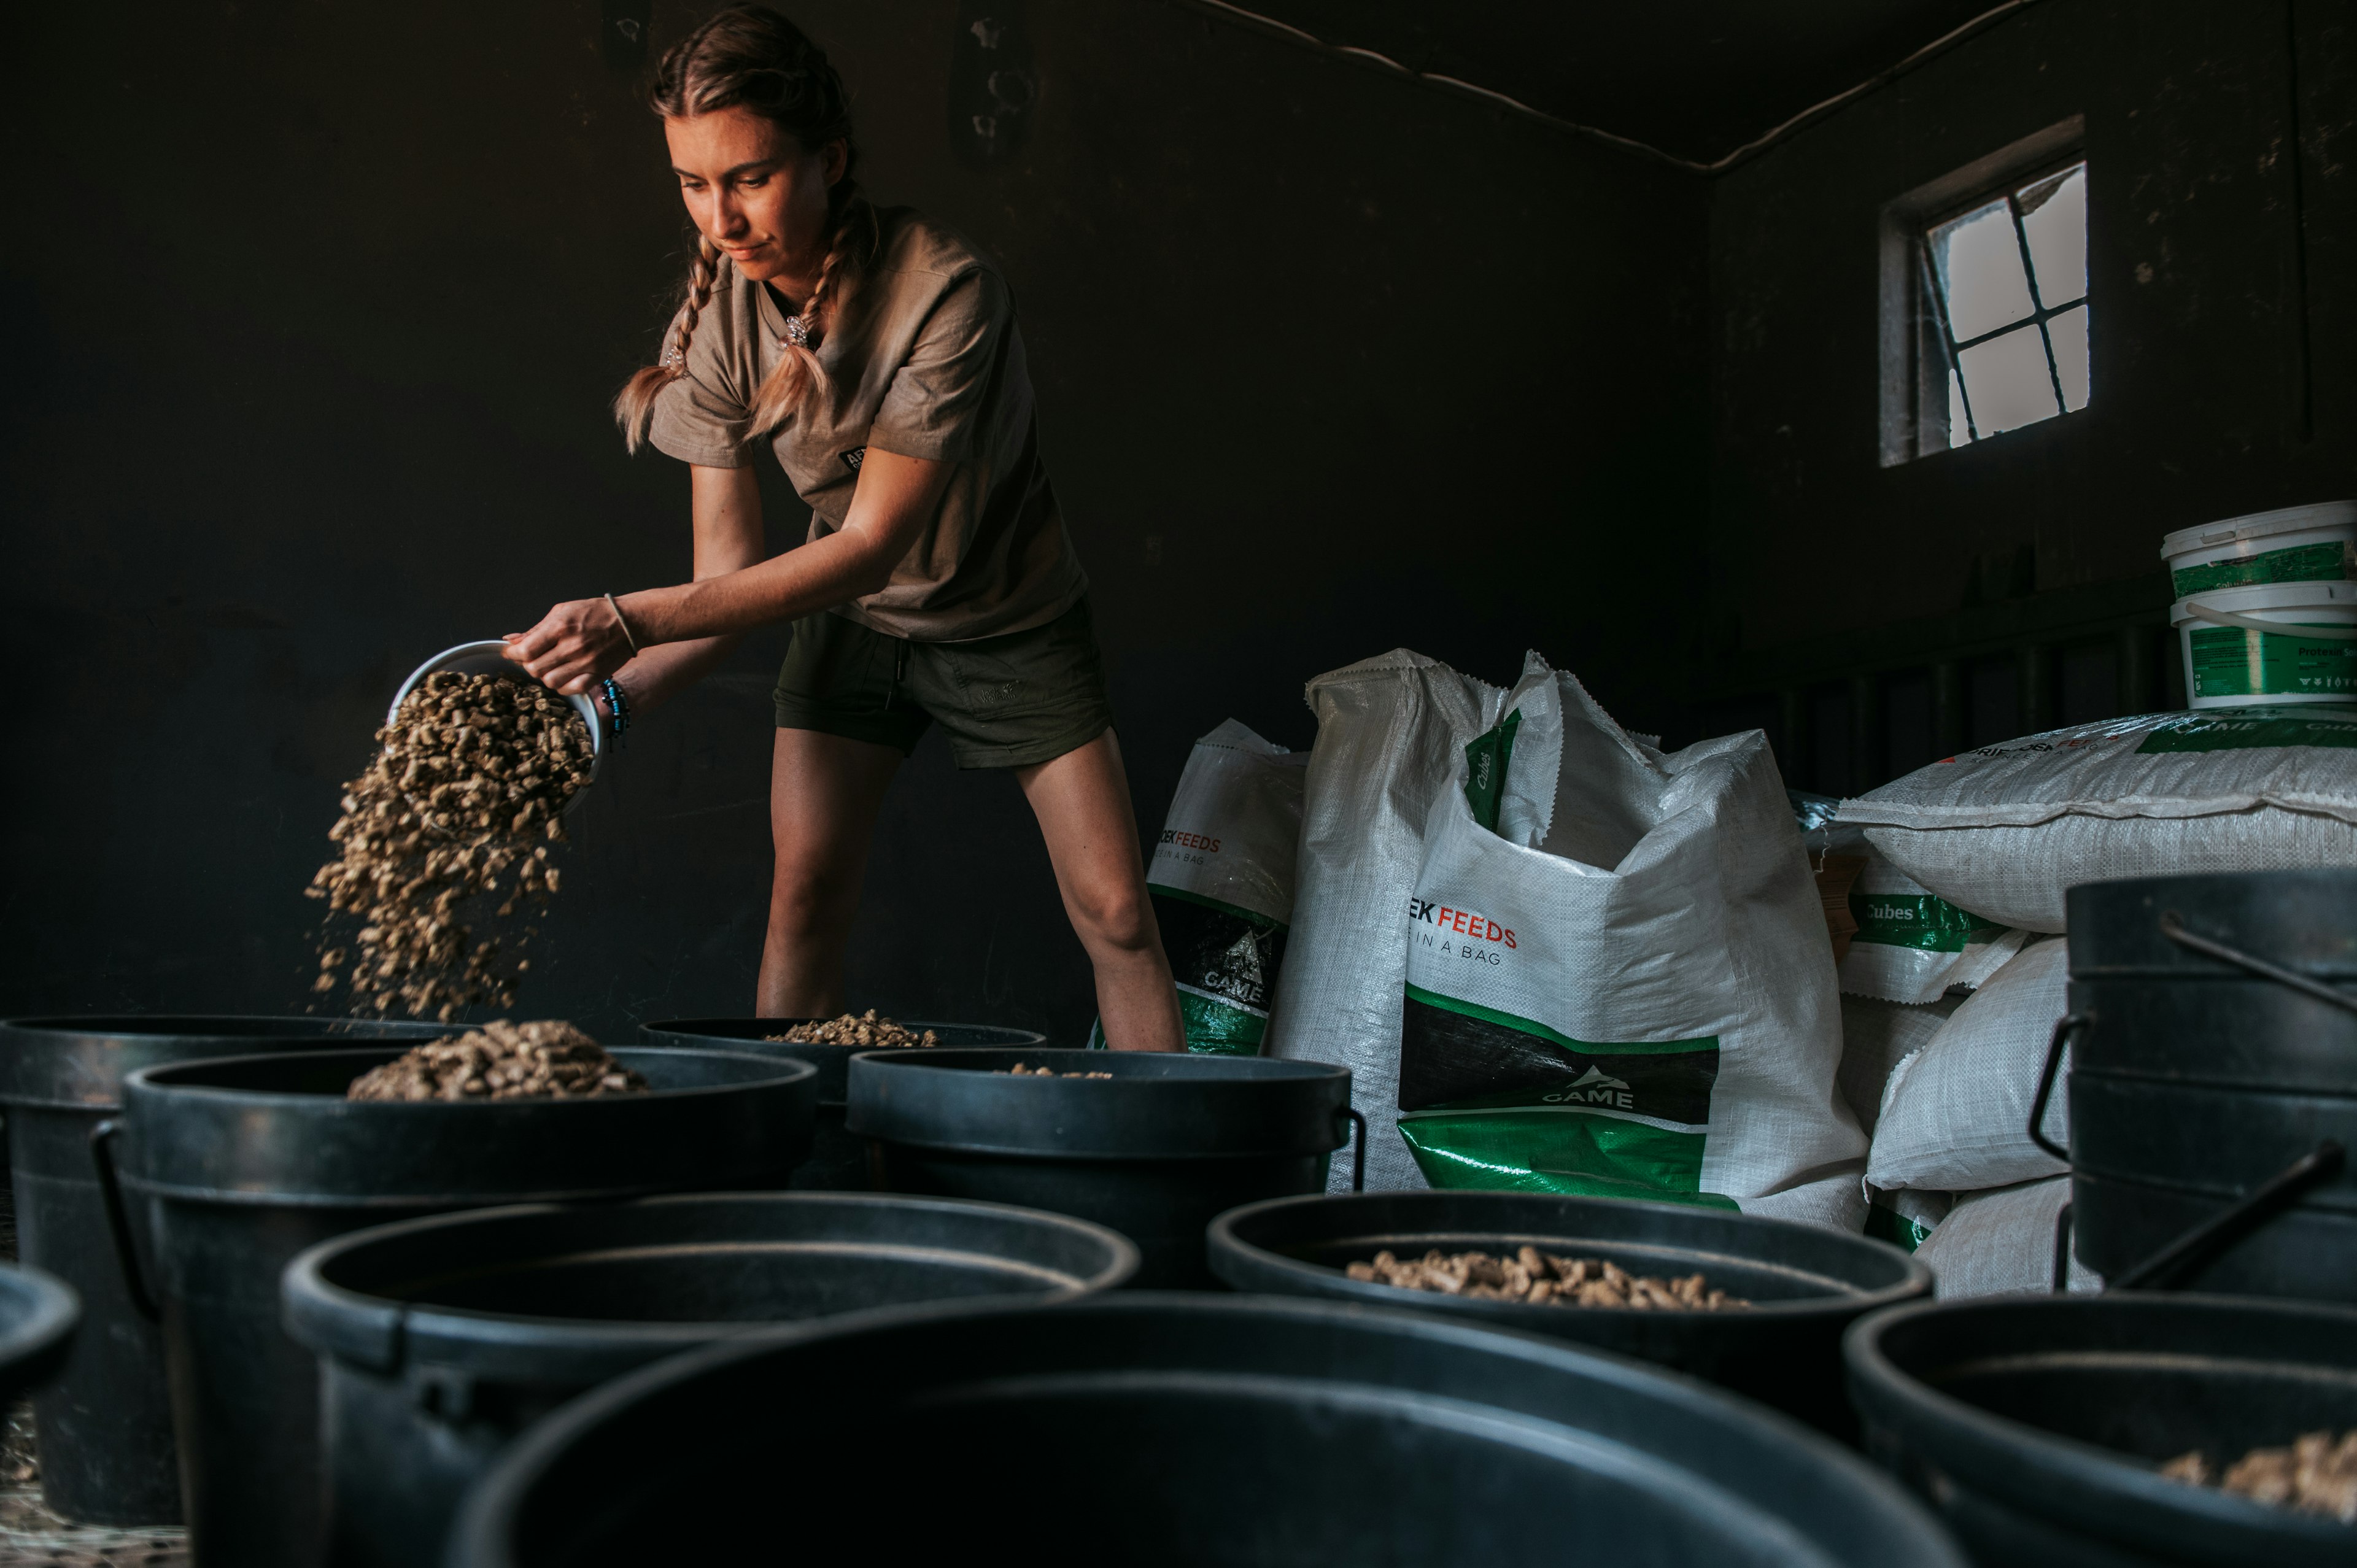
{"x": 2296, "y": 544}
{"x": 490, "y": 658}
{"x": 2279, "y": 642}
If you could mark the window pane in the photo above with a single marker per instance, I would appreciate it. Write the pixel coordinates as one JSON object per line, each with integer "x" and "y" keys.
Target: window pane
{"x": 2054, "y": 219}
{"x": 1960, "y": 432}
{"x": 2069, "y": 331}
{"x": 2007, "y": 380}
{"x": 1979, "y": 263}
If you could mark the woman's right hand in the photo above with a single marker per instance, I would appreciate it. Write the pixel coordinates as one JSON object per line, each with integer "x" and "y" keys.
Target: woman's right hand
{"x": 576, "y": 645}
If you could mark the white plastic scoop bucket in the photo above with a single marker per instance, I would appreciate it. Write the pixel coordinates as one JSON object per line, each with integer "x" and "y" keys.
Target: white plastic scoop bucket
{"x": 2296, "y": 545}
{"x": 490, "y": 658}
{"x": 2270, "y": 644}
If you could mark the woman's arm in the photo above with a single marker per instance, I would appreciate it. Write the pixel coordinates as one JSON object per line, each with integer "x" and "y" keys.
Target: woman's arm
{"x": 576, "y": 643}
{"x": 726, "y": 506}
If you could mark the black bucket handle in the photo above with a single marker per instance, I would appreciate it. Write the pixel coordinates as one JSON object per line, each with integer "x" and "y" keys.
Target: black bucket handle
{"x": 2070, "y": 1025}
{"x": 1358, "y": 1148}
{"x": 2214, "y": 1234}
{"x": 2223, "y": 1230}
{"x": 118, "y": 1219}
{"x": 2173, "y": 926}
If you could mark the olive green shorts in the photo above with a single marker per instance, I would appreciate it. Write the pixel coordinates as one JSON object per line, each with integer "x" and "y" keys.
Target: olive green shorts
{"x": 1004, "y": 701}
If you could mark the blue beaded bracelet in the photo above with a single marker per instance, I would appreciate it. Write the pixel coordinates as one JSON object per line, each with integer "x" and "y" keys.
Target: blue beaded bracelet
{"x": 619, "y": 707}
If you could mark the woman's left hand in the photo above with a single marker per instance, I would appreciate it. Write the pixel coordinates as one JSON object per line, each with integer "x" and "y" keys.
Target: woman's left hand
{"x": 575, "y": 646}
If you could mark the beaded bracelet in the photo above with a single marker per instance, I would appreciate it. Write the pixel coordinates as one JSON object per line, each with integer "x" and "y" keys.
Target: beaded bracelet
{"x": 619, "y": 707}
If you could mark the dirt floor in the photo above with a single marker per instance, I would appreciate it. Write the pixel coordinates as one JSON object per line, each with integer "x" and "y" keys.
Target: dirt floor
{"x": 31, "y": 1533}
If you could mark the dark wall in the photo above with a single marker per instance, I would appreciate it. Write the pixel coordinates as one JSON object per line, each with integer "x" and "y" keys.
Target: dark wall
{"x": 312, "y": 315}
{"x": 2222, "y": 274}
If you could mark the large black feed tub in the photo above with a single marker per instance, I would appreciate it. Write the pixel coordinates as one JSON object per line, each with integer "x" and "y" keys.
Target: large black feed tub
{"x": 105, "y": 1421}
{"x": 241, "y": 1163}
{"x": 1156, "y": 1149}
{"x": 1808, "y": 1283}
{"x": 1178, "y": 1429}
{"x": 2036, "y": 1425}
{"x": 440, "y": 1340}
{"x": 838, "y": 1161}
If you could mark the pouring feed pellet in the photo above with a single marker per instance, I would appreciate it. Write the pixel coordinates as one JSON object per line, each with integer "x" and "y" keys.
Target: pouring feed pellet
{"x": 459, "y": 805}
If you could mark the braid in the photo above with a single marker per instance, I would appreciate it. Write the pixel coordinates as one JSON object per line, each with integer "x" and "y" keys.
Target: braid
{"x": 798, "y": 370}
{"x": 634, "y": 405}
{"x": 701, "y": 274}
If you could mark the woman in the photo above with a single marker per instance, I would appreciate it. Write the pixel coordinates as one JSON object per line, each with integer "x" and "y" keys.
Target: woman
{"x": 877, "y": 355}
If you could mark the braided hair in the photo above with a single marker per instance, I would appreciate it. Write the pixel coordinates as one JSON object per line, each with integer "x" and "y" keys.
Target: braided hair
{"x": 749, "y": 57}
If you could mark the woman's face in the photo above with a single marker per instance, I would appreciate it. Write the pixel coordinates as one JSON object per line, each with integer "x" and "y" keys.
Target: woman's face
{"x": 755, "y": 190}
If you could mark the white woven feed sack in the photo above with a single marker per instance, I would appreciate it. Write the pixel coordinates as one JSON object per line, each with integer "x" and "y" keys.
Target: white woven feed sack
{"x": 1992, "y": 1242}
{"x": 1909, "y": 945}
{"x": 1391, "y": 732}
{"x": 1221, "y": 881}
{"x": 1955, "y": 1115}
{"x": 1876, "y": 1038}
{"x": 1626, "y": 989}
{"x": 1913, "y": 945}
{"x": 2006, "y": 830}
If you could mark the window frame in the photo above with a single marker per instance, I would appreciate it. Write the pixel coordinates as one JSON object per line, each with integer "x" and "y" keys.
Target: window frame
{"x": 1951, "y": 349}
{"x": 1916, "y": 345}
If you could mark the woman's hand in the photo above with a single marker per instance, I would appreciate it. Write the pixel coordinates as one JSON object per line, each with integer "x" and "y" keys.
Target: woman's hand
{"x": 575, "y": 646}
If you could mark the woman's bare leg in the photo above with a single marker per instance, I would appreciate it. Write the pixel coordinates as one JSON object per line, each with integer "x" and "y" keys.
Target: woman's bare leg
{"x": 1082, "y": 801}
{"x": 824, "y": 794}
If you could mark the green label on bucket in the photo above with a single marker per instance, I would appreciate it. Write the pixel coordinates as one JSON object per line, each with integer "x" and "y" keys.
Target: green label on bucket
{"x": 2300, "y": 564}
{"x": 1916, "y": 920}
{"x": 2230, "y": 662}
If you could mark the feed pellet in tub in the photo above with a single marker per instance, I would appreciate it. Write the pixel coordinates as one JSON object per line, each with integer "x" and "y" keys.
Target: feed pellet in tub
{"x": 468, "y": 791}
{"x": 855, "y": 1029}
{"x": 1531, "y": 1275}
{"x": 542, "y": 1060}
{"x": 2314, "y": 1474}
{"x": 1019, "y": 1070}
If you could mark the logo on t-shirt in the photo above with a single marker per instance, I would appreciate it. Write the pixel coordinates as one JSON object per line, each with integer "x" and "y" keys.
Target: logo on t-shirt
{"x": 853, "y": 458}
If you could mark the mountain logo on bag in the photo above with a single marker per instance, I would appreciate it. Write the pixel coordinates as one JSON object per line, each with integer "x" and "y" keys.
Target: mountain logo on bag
{"x": 1594, "y": 1087}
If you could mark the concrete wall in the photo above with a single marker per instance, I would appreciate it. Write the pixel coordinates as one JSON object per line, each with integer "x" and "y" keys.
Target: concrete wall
{"x": 312, "y": 315}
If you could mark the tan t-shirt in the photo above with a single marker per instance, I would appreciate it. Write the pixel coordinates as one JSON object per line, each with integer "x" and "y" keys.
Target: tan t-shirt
{"x": 924, "y": 358}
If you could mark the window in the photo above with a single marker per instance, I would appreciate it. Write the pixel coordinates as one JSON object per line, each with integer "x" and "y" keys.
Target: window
{"x": 1984, "y": 302}
{"x": 2006, "y": 282}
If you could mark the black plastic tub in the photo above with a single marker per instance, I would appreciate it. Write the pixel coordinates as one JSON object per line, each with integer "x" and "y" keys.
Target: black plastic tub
{"x": 38, "y": 1313}
{"x": 241, "y": 1164}
{"x": 2197, "y": 1076}
{"x": 2037, "y": 1425}
{"x": 838, "y": 1161}
{"x": 1156, "y": 1151}
{"x": 105, "y": 1421}
{"x": 1809, "y": 1283}
{"x": 440, "y": 1340}
{"x": 1181, "y": 1429}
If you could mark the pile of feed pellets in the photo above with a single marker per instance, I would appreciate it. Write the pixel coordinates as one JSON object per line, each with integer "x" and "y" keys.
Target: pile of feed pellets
{"x": 544, "y": 1060}
{"x": 1019, "y": 1070}
{"x": 2314, "y": 1474}
{"x": 1531, "y": 1275}
{"x": 464, "y": 796}
{"x": 865, "y": 1030}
